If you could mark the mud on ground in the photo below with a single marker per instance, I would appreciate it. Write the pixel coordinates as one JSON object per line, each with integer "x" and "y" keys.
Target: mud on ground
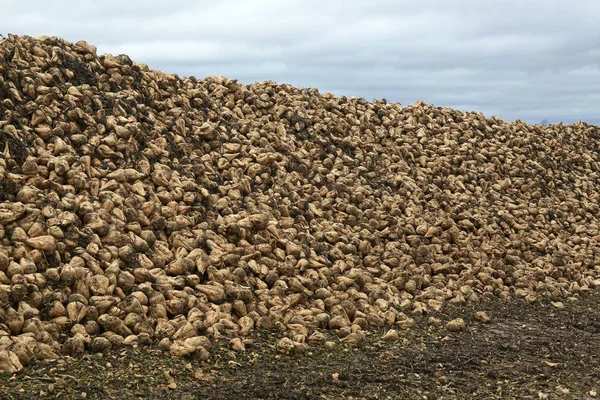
{"x": 527, "y": 351}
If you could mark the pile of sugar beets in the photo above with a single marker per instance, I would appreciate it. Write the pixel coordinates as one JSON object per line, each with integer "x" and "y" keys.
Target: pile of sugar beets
{"x": 142, "y": 208}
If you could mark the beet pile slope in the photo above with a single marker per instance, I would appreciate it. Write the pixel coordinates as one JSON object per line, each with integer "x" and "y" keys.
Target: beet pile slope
{"x": 140, "y": 207}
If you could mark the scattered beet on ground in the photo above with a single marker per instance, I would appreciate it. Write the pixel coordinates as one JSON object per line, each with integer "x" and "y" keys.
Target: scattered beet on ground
{"x": 146, "y": 214}
{"x": 526, "y": 351}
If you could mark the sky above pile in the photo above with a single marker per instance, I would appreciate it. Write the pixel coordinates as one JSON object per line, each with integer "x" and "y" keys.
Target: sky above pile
{"x": 528, "y": 60}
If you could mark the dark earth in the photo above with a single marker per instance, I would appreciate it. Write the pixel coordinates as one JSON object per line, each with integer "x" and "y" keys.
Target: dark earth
{"x": 527, "y": 351}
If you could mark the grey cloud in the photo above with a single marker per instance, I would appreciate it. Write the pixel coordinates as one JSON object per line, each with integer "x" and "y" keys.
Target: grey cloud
{"x": 518, "y": 60}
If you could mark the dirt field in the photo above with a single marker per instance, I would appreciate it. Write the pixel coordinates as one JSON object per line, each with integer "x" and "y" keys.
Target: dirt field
{"x": 527, "y": 351}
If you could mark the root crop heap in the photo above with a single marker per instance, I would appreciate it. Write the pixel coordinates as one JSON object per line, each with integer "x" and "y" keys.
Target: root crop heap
{"x": 138, "y": 207}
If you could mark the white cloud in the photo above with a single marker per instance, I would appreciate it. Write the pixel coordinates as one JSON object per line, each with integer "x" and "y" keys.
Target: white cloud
{"x": 525, "y": 60}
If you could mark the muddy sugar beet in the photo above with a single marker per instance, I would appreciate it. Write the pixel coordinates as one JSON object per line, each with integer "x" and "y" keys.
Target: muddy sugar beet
{"x": 139, "y": 207}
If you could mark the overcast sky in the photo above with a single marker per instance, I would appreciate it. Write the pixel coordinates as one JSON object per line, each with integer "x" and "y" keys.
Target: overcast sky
{"x": 529, "y": 60}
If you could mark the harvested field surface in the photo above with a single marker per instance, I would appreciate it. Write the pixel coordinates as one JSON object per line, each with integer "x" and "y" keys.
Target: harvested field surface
{"x": 145, "y": 216}
{"x": 526, "y": 351}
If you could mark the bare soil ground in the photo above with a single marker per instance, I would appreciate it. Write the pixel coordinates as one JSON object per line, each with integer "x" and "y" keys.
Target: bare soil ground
{"x": 527, "y": 351}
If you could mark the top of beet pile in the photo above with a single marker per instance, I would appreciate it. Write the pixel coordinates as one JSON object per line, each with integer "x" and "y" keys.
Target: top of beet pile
{"x": 138, "y": 207}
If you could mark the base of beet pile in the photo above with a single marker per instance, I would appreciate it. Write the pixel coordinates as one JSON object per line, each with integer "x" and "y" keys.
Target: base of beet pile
{"x": 546, "y": 349}
{"x": 139, "y": 207}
